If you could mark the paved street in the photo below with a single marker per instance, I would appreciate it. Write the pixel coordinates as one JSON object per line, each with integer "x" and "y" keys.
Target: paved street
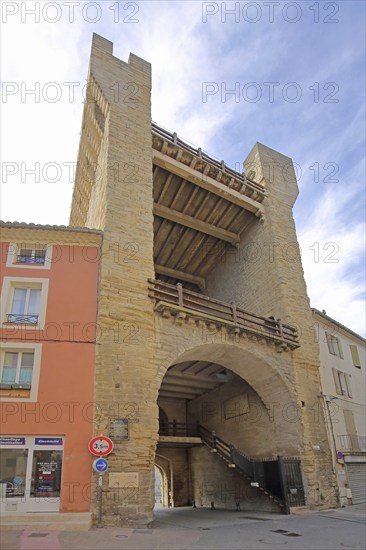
{"x": 200, "y": 529}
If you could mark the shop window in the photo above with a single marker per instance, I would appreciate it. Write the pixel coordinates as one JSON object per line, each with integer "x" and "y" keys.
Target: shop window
{"x": 30, "y": 473}
{"x": 13, "y": 466}
{"x": 46, "y": 473}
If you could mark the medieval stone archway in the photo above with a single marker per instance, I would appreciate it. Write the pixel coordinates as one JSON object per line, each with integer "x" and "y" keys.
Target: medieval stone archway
{"x": 269, "y": 375}
{"x": 243, "y": 401}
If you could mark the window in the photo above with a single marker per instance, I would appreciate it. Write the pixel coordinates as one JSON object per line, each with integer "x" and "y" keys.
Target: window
{"x": 20, "y": 367}
{"x": 23, "y": 302}
{"x": 355, "y": 356}
{"x": 31, "y": 472}
{"x": 12, "y": 472}
{"x": 334, "y": 345}
{"x": 17, "y": 368}
{"x": 46, "y": 473}
{"x": 342, "y": 383}
{"x": 25, "y": 305}
{"x": 31, "y": 256}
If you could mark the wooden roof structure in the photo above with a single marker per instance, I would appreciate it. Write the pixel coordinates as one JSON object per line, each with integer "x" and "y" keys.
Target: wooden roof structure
{"x": 201, "y": 207}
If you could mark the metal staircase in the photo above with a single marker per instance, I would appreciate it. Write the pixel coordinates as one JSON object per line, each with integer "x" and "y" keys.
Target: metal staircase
{"x": 271, "y": 477}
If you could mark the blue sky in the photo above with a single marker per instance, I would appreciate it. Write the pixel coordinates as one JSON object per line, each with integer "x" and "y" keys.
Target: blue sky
{"x": 311, "y": 52}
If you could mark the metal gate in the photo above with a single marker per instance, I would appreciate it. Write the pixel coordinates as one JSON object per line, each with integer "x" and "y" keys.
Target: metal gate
{"x": 291, "y": 482}
{"x": 356, "y": 473}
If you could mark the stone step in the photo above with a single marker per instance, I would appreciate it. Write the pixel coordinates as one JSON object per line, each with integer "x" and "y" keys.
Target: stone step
{"x": 58, "y": 521}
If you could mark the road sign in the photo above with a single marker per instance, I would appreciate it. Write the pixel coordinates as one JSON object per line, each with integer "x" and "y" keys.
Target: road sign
{"x": 100, "y": 445}
{"x": 100, "y": 465}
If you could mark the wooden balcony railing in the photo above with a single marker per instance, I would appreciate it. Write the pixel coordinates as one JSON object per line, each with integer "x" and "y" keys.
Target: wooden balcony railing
{"x": 197, "y": 151}
{"x": 176, "y": 297}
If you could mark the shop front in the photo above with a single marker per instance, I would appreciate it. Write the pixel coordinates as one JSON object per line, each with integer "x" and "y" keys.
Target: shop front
{"x": 30, "y": 473}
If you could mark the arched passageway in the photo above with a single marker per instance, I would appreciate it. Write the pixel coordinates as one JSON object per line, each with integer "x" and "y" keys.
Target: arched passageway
{"x": 163, "y": 475}
{"x": 217, "y": 427}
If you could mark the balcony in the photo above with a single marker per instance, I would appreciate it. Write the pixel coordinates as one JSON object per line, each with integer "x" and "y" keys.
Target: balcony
{"x": 177, "y": 301}
{"x": 31, "y": 260}
{"x": 178, "y": 429}
{"x": 20, "y": 318}
{"x": 352, "y": 443}
{"x": 178, "y": 434}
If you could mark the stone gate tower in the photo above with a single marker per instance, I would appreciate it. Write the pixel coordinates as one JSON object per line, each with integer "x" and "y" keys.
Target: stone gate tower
{"x": 206, "y": 356}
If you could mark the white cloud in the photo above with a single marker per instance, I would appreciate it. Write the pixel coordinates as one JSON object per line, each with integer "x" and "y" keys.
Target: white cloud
{"x": 332, "y": 253}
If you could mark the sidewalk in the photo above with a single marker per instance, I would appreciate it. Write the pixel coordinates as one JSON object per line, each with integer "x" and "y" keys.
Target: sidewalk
{"x": 200, "y": 529}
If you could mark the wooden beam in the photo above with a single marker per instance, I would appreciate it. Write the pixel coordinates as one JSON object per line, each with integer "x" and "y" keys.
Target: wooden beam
{"x": 176, "y": 389}
{"x": 176, "y": 274}
{"x": 181, "y": 381}
{"x": 193, "y": 223}
{"x": 206, "y": 182}
{"x": 169, "y": 395}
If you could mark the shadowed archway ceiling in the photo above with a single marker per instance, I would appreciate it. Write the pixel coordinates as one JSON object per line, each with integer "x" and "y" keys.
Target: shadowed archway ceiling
{"x": 192, "y": 379}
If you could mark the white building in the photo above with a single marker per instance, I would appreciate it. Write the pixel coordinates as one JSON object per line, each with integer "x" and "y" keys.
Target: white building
{"x": 342, "y": 374}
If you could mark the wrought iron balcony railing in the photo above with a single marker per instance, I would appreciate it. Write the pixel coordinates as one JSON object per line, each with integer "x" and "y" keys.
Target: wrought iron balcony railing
{"x": 17, "y": 318}
{"x": 352, "y": 442}
{"x": 175, "y": 297}
{"x": 178, "y": 429}
{"x": 37, "y": 260}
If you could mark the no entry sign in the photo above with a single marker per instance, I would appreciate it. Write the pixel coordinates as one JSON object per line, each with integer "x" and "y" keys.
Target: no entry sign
{"x": 100, "y": 445}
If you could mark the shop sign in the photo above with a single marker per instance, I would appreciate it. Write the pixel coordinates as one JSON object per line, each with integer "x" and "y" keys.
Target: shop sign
{"x": 48, "y": 440}
{"x": 12, "y": 440}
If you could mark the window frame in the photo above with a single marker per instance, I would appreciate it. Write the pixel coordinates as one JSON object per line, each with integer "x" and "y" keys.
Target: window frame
{"x": 342, "y": 382}
{"x": 22, "y": 347}
{"x": 26, "y": 312}
{"x": 14, "y": 251}
{"x": 332, "y": 341}
{"x": 7, "y": 296}
{"x": 18, "y": 368}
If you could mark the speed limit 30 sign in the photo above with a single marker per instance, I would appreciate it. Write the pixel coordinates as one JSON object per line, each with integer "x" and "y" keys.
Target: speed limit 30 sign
{"x": 100, "y": 445}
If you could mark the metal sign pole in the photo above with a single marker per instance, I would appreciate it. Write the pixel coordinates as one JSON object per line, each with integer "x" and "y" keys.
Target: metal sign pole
{"x": 100, "y": 501}
{"x": 100, "y": 446}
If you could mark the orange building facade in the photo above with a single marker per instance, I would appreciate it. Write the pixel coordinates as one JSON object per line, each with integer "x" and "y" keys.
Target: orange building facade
{"x": 49, "y": 286}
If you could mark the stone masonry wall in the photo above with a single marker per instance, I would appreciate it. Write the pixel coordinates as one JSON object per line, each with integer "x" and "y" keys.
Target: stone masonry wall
{"x": 265, "y": 276}
{"x": 213, "y": 481}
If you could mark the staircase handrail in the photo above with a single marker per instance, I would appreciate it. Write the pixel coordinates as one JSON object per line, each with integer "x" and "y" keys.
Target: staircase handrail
{"x": 252, "y": 468}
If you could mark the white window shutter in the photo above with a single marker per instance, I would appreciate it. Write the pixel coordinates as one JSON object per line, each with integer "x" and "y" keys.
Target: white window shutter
{"x": 355, "y": 356}
{"x": 348, "y": 384}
